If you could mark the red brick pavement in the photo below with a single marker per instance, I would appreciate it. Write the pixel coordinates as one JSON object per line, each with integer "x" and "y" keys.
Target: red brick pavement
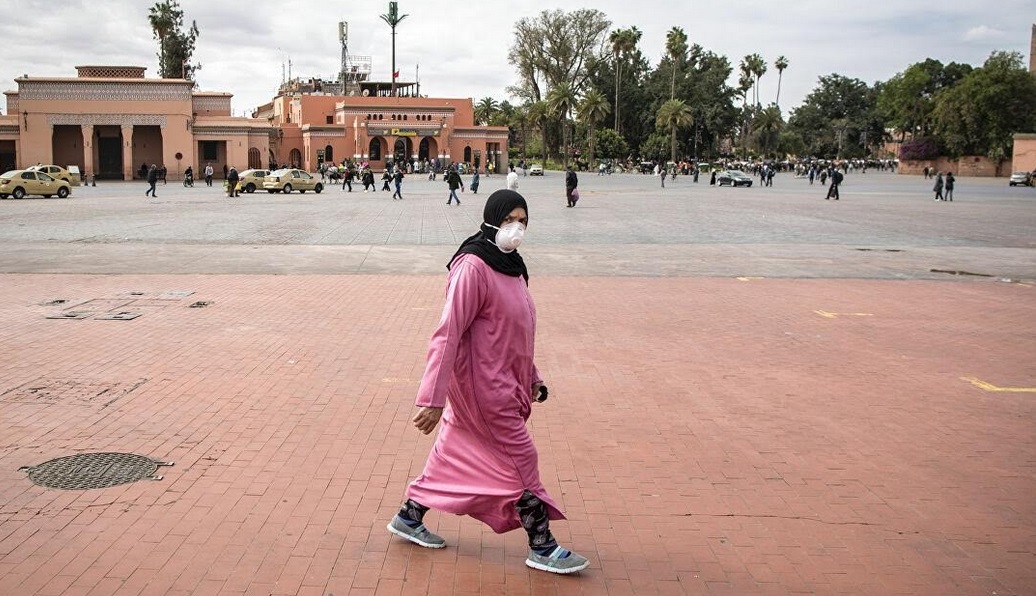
{"x": 705, "y": 436}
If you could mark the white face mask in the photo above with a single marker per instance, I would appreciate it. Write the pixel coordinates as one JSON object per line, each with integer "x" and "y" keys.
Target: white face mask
{"x": 509, "y": 237}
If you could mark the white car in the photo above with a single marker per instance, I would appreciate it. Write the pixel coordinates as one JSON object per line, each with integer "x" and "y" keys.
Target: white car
{"x": 535, "y": 170}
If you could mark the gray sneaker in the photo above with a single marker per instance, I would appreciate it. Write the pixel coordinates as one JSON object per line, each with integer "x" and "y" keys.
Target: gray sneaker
{"x": 419, "y": 535}
{"x": 554, "y": 563}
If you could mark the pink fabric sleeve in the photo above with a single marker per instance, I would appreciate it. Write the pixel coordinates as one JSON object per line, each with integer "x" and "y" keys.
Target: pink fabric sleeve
{"x": 464, "y": 298}
{"x": 536, "y": 376}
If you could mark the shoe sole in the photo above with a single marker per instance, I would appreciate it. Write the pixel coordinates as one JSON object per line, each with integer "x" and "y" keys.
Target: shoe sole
{"x": 550, "y": 569}
{"x": 414, "y": 539}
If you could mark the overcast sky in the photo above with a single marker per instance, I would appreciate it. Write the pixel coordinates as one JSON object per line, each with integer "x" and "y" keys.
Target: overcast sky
{"x": 461, "y": 48}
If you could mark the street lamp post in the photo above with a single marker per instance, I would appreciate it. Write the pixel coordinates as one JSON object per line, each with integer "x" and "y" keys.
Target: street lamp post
{"x": 393, "y": 18}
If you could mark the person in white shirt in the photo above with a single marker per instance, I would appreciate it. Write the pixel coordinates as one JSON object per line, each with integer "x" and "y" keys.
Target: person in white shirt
{"x": 512, "y": 180}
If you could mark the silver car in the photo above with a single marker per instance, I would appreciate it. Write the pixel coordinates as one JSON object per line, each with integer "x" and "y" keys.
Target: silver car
{"x": 1020, "y": 179}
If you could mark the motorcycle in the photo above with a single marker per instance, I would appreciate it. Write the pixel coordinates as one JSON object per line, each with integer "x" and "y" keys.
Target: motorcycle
{"x": 188, "y": 179}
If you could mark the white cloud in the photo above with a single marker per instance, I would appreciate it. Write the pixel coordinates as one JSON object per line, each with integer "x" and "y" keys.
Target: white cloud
{"x": 983, "y": 33}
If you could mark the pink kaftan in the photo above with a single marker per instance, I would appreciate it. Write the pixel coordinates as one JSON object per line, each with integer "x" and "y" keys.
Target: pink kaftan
{"x": 481, "y": 358}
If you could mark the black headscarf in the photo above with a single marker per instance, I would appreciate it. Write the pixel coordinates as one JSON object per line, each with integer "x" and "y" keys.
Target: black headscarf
{"x": 499, "y": 205}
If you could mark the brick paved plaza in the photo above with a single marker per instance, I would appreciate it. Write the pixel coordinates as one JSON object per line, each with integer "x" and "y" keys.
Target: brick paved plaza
{"x": 753, "y": 391}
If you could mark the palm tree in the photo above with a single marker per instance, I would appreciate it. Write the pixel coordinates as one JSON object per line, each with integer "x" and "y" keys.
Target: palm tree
{"x": 780, "y": 64}
{"x": 161, "y": 19}
{"x": 560, "y": 101}
{"x": 484, "y": 110}
{"x": 623, "y": 41}
{"x": 539, "y": 115}
{"x": 674, "y": 114}
{"x": 592, "y": 110}
{"x": 757, "y": 66}
{"x": 392, "y": 19}
{"x": 676, "y": 49}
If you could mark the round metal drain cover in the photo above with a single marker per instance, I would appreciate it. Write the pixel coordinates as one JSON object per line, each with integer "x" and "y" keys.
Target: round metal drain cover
{"x": 93, "y": 470}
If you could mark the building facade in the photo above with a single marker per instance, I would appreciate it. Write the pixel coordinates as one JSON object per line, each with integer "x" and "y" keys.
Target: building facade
{"x": 111, "y": 120}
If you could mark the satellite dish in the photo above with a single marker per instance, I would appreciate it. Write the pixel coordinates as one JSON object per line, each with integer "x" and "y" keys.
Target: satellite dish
{"x": 366, "y": 92}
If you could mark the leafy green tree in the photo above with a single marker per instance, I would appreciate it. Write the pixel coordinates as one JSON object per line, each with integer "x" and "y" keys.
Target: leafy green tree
{"x": 539, "y": 116}
{"x": 836, "y": 116}
{"x": 611, "y": 144}
{"x": 175, "y": 45}
{"x": 555, "y": 49}
{"x": 780, "y": 64}
{"x": 592, "y": 110}
{"x": 655, "y": 146}
{"x": 674, "y": 114}
{"x": 907, "y": 100}
{"x": 980, "y": 114}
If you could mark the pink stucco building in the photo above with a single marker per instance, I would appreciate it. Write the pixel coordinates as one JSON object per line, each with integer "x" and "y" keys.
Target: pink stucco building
{"x": 110, "y": 120}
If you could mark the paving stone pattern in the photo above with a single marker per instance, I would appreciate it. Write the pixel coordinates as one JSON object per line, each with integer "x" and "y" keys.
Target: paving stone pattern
{"x": 808, "y": 432}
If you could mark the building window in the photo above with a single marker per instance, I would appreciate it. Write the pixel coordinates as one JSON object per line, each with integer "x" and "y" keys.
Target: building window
{"x": 329, "y": 153}
{"x": 330, "y": 120}
{"x": 404, "y": 116}
{"x": 374, "y": 150}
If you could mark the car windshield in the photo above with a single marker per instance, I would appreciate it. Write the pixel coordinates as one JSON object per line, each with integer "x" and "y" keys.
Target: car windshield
{"x": 735, "y": 172}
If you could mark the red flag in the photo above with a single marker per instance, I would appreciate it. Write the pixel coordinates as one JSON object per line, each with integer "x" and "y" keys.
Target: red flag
{"x": 395, "y": 75}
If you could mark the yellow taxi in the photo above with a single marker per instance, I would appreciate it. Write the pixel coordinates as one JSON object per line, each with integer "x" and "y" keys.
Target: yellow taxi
{"x": 58, "y": 173}
{"x": 249, "y": 180}
{"x": 291, "y": 179}
{"x": 18, "y": 183}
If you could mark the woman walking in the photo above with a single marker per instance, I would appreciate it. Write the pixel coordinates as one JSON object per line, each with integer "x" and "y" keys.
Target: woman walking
{"x": 480, "y": 361}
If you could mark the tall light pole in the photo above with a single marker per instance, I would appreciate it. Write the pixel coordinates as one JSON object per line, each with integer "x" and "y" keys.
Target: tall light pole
{"x": 393, "y": 18}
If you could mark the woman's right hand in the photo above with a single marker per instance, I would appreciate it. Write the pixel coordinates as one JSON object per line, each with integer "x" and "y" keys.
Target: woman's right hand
{"x": 426, "y": 419}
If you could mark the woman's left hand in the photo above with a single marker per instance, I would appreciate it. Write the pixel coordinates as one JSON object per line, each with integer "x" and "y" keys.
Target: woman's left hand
{"x": 536, "y": 390}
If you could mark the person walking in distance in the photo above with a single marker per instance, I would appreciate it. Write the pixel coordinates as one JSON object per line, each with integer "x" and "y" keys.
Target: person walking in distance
{"x": 481, "y": 362}
{"x": 454, "y": 182}
{"x": 938, "y": 187}
{"x": 571, "y": 182}
{"x": 347, "y": 177}
{"x": 397, "y": 178}
{"x": 836, "y": 179}
{"x": 949, "y": 186}
{"x": 152, "y": 179}
{"x": 208, "y": 174}
{"x": 232, "y": 180}
{"x": 512, "y": 180}
{"x": 474, "y": 183}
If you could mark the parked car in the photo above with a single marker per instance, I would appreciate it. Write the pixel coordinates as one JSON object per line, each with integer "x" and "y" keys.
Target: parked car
{"x": 535, "y": 170}
{"x": 1020, "y": 178}
{"x": 291, "y": 179}
{"x": 58, "y": 173}
{"x": 18, "y": 183}
{"x": 733, "y": 178}
{"x": 249, "y": 180}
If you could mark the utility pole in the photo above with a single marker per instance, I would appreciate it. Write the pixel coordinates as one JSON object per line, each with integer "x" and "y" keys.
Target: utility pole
{"x": 393, "y": 18}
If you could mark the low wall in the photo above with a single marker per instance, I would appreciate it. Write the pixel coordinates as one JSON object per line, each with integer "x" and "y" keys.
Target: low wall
{"x": 969, "y": 165}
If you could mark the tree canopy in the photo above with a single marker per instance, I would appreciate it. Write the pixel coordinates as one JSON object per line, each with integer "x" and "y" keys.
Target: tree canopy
{"x": 175, "y": 44}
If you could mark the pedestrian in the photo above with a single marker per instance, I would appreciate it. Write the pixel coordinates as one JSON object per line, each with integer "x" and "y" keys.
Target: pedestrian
{"x": 571, "y": 182}
{"x": 368, "y": 180}
{"x": 662, "y": 169}
{"x": 232, "y": 179}
{"x": 938, "y": 187}
{"x": 512, "y": 180}
{"x": 208, "y": 174}
{"x": 812, "y": 174}
{"x": 474, "y": 183}
{"x": 925, "y": 172}
{"x": 398, "y": 179}
{"x": 712, "y": 178}
{"x": 836, "y": 179}
{"x": 769, "y": 176}
{"x": 152, "y": 179}
{"x": 949, "y": 186}
{"x": 386, "y": 176}
{"x": 347, "y": 178}
{"x": 454, "y": 182}
{"x": 225, "y": 171}
{"x": 481, "y": 362}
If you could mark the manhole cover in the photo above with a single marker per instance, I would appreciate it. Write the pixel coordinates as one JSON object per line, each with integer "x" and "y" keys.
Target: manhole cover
{"x": 93, "y": 470}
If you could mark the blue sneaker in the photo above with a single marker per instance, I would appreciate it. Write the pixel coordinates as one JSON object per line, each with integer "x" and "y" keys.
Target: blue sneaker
{"x": 560, "y": 561}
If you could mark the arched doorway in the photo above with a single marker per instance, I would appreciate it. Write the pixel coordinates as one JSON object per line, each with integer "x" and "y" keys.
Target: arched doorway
{"x": 295, "y": 158}
{"x": 329, "y": 153}
{"x": 402, "y": 150}
{"x": 467, "y": 154}
{"x": 374, "y": 149}
{"x": 255, "y": 158}
{"x": 428, "y": 149}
